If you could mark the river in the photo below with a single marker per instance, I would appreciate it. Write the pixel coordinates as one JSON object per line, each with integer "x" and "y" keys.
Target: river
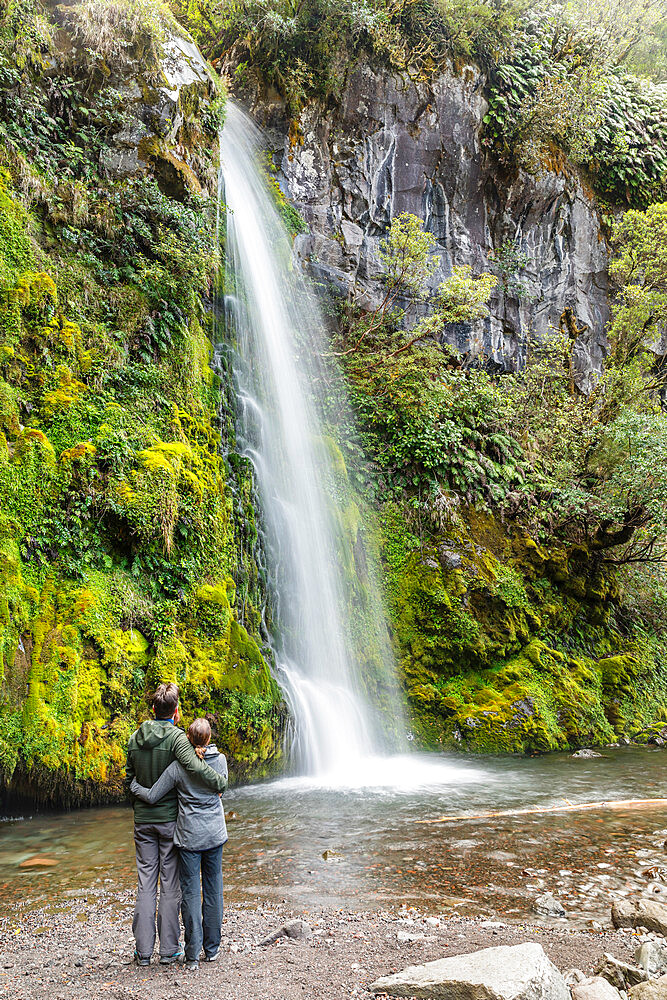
{"x": 364, "y": 848}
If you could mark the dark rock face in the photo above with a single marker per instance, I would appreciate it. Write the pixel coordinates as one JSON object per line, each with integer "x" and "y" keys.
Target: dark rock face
{"x": 392, "y": 146}
{"x": 163, "y": 134}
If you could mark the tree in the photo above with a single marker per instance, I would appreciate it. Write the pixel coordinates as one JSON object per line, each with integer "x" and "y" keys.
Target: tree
{"x": 408, "y": 261}
{"x": 613, "y": 28}
{"x": 639, "y": 314}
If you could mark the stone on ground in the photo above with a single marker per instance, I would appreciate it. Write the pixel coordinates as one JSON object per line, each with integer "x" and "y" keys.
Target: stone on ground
{"x": 644, "y": 913}
{"x": 595, "y": 989}
{"x": 517, "y": 972}
{"x": 549, "y": 906}
{"x": 652, "y": 957}
{"x": 654, "y": 989}
{"x": 620, "y": 974}
{"x": 297, "y": 930}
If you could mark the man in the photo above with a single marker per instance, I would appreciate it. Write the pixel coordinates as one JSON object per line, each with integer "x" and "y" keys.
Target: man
{"x": 152, "y": 748}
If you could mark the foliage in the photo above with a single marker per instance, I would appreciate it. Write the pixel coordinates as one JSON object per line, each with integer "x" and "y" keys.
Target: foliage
{"x": 580, "y": 467}
{"x": 117, "y": 521}
{"x": 597, "y": 464}
{"x": 424, "y": 419}
{"x": 407, "y": 258}
{"x": 560, "y": 93}
{"x": 630, "y": 153}
{"x": 117, "y": 31}
{"x": 640, "y": 268}
{"x": 648, "y": 58}
{"x": 614, "y": 28}
{"x": 427, "y": 425}
{"x": 305, "y": 49}
{"x": 509, "y": 261}
{"x": 508, "y": 645}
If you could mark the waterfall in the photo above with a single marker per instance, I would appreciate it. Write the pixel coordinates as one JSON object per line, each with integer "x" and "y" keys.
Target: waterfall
{"x": 341, "y": 715}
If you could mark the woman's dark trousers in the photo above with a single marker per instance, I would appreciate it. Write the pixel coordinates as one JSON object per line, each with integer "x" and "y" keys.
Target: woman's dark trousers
{"x": 201, "y": 889}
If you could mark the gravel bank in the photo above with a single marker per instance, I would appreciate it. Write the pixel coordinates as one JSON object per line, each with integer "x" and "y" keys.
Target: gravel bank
{"x": 82, "y": 948}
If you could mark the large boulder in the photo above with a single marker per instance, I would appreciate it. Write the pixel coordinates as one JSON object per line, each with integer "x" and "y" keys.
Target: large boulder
{"x": 644, "y": 913}
{"x": 655, "y": 989}
{"x": 519, "y": 972}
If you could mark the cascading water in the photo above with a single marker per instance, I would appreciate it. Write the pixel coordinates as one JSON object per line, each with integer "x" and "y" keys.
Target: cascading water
{"x": 277, "y": 335}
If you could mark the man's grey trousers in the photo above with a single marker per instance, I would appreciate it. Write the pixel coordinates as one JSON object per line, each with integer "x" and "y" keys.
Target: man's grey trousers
{"x": 156, "y": 855}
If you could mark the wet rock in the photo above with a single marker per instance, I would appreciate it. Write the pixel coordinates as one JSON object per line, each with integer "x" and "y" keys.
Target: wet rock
{"x": 645, "y": 913}
{"x": 519, "y": 972}
{"x": 620, "y": 974}
{"x": 449, "y": 558}
{"x": 652, "y": 957}
{"x": 585, "y": 754}
{"x": 160, "y": 111}
{"x": 654, "y": 989}
{"x": 549, "y": 906}
{"x": 596, "y": 988}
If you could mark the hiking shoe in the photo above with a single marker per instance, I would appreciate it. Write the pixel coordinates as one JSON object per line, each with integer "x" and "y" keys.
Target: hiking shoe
{"x": 191, "y": 963}
{"x": 140, "y": 960}
{"x": 177, "y": 957}
{"x": 213, "y": 957}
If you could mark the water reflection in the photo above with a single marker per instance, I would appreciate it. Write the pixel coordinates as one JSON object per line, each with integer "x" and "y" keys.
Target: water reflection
{"x": 378, "y": 852}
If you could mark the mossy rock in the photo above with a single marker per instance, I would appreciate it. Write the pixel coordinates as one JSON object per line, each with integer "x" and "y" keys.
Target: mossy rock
{"x": 509, "y": 650}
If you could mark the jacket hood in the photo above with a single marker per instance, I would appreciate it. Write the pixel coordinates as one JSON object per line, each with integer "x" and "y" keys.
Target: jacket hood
{"x": 153, "y": 732}
{"x": 211, "y": 751}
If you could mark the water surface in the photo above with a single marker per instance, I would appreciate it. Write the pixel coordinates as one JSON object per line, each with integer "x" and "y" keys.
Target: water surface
{"x": 380, "y": 853}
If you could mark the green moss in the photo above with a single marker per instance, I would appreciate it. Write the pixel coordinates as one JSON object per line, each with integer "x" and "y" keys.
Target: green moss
{"x": 119, "y": 533}
{"x": 504, "y": 644}
{"x": 16, "y": 249}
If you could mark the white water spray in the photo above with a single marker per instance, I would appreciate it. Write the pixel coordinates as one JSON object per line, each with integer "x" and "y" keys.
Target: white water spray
{"x": 280, "y": 378}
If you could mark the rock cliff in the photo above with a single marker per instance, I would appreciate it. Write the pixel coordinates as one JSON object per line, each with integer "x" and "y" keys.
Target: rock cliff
{"x": 395, "y": 145}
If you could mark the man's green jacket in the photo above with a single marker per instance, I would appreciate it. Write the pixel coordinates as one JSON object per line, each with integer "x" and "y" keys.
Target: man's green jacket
{"x": 151, "y": 750}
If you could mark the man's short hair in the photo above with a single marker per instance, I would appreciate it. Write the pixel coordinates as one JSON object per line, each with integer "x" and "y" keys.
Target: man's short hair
{"x": 165, "y": 700}
{"x": 199, "y": 732}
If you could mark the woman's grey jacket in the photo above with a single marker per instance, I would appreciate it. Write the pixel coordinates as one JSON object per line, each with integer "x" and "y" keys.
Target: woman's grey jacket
{"x": 201, "y": 819}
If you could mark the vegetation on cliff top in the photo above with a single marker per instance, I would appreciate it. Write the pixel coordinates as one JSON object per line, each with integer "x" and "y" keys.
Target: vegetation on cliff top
{"x": 578, "y": 82}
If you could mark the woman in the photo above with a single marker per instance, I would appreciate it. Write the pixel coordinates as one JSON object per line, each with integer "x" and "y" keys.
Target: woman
{"x": 200, "y": 834}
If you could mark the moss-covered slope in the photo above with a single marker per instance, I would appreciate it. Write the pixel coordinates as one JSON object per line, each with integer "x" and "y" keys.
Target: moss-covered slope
{"x": 123, "y": 554}
{"x": 512, "y": 646}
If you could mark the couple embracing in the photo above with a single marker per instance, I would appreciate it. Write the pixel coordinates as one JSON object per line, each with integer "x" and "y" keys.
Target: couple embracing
{"x": 175, "y": 781}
